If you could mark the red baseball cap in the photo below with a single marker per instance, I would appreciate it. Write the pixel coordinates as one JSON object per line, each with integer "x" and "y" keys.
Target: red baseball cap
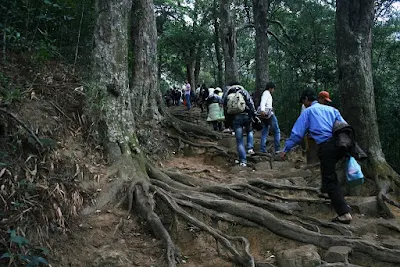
{"x": 325, "y": 95}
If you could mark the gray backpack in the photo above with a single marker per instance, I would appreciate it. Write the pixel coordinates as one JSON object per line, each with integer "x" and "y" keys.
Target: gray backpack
{"x": 235, "y": 101}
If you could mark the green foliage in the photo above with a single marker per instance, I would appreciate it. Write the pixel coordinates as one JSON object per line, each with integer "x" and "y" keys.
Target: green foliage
{"x": 8, "y": 92}
{"x": 48, "y": 28}
{"x": 386, "y": 65}
{"x": 21, "y": 253}
{"x": 304, "y": 57}
{"x": 184, "y": 30}
{"x": 12, "y": 95}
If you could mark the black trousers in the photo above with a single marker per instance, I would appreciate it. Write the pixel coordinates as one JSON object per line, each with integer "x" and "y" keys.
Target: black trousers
{"x": 217, "y": 125}
{"x": 329, "y": 155}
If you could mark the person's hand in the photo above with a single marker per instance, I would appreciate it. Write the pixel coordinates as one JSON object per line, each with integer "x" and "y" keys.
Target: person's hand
{"x": 257, "y": 120}
{"x": 283, "y": 155}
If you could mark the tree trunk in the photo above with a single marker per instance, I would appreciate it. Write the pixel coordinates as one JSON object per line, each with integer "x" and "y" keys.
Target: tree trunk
{"x": 190, "y": 67}
{"x": 217, "y": 44}
{"x": 146, "y": 96}
{"x": 260, "y": 10}
{"x": 109, "y": 94}
{"x": 197, "y": 67}
{"x": 228, "y": 40}
{"x": 354, "y": 22}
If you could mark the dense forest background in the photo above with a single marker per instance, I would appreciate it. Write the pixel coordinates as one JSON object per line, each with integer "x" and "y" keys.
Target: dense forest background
{"x": 301, "y": 36}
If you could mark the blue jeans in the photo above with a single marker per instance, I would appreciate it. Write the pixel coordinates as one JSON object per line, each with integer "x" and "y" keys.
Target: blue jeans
{"x": 277, "y": 134}
{"x": 187, "y": 97}
{"x": 240, "y": 121}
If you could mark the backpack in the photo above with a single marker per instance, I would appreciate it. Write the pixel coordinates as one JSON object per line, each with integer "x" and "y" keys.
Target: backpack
{"x": 235, "y": 103}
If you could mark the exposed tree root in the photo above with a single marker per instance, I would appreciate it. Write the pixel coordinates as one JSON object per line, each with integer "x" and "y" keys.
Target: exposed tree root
{"x": 145, "y": 205}
{"x": 385, "y": 178}
{"x": 290, "y": 230}
{"x": 281, "y": 186}
{"x": 386, "y": 198}
{"x": 250, "y": 203}
{"x": 218, "y": 216}
{"x": 233, "y": 203}
{"x": 342, "y": 229}
{"x": 252, "y": 200}
{"x": 211, "y": 146}
{"x": 34, "y": 136}
{"x": 245, "y": 260}
{"x": 198, "y": 130}
{"x": 293, "y": 199}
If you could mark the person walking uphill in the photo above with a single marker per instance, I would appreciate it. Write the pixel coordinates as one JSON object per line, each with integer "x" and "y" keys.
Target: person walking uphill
{"x": 187, "y": 94}
{"x": 319, "y": 120}
{"x": 215, "y": 110}
{"x": 268, "y": 119}
{"x": 239, "y": 104}
{"x": 324, "y": 98}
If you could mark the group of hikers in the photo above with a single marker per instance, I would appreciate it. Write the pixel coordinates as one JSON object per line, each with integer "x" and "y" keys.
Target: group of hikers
{"x": 183, "y": 96}
{"x": 233, "y": 108}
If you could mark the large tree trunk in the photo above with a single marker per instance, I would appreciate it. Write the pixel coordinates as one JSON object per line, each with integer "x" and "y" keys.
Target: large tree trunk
{"x": 146, "y": 94}
{"x": 190, "y": 69}
{"x": 228, "y": 40}
{"x": 217, "y": 45}
{"x": 260, "y": 10}
{"x": 109, "y": 96}
{"x": 197, "y": 67}
{"x": 354, "y": 22}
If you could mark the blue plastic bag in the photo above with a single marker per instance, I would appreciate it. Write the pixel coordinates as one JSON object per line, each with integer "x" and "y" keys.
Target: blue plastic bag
{"x": 353, "y": 171}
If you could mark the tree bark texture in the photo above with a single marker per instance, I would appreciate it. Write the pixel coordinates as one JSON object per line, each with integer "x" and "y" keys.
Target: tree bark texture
{"x": 146, "y": 94}
{"x": 260, "y": 10}
{"x": 111, "y": 92}
{"x": 354, "y": 22}
{"x": 197, "y": 68}
{"x": 217, "y": 45}
{"x": 190, "y": 69}
{"x": 229, "y": 43}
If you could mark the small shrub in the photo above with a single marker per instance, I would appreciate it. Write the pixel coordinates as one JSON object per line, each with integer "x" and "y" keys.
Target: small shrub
{"x": 21, "y": 253}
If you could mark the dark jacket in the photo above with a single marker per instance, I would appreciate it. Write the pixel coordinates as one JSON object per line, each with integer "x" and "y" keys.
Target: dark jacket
{"x": 345, "y": 139}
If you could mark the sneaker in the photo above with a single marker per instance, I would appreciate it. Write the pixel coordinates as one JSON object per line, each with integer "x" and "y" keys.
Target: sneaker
{"x": 345, "y": 218}
{"x": 250, "y": 152}
{"x": 242, "y": 164}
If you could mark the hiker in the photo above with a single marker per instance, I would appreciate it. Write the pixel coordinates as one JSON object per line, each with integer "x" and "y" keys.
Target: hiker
{"x": 177, "y": 96}
{"x": 228, "y": 117}
{"x": 240, "y": 106}
{"x": 203, "y": 96}
{"x": 197, "y": 95}
{"x": 168, "y": 97}
{"x": 323, "y": 98}
{"x": 319, "y": 121}
{"x": 187, "y": 92}
{"x": 215, "y": 109}
{"x": 268, "y": 119}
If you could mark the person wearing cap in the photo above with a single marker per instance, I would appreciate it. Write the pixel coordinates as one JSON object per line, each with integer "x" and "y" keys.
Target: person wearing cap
{"x": 324, "y": 98}
{"x": 318, "y": 121}
{"x": 215, "y": 108}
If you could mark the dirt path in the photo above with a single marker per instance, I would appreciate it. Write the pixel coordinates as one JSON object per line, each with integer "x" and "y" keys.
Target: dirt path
{"x": 114, "y": 238}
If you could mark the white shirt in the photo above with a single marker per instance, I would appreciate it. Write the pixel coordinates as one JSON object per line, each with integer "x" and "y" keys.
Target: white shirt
{"x": 266, "y": 101}
{"x": 302, "y": 108}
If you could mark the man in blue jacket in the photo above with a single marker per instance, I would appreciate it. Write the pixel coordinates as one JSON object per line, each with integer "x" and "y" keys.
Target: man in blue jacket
{"x": 318, "y": 121}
